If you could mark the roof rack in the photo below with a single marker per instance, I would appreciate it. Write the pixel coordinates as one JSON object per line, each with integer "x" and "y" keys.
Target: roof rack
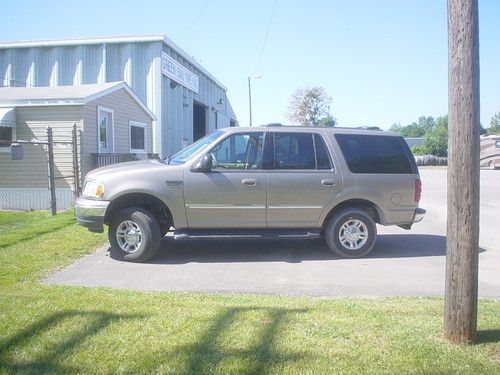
{"x": 368, "y": 127}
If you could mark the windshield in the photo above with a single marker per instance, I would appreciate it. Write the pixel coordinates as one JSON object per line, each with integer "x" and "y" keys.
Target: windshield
{"x": 185, "y": 154}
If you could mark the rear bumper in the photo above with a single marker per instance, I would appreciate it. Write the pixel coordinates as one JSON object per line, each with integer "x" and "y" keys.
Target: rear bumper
{"x": 90, "y": 214}
{"x": 419, "y": 215}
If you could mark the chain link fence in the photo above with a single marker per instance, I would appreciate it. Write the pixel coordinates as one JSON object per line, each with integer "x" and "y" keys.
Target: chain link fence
{"x": 42, "y": 173}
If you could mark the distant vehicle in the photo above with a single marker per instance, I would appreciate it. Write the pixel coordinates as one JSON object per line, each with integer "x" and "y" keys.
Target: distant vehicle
{"x": 490, "y": 151}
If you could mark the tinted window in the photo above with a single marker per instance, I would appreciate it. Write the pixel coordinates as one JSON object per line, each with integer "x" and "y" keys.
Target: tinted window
{"x": 137, "y": 137}
{"x": 239, "y": 151}
{"x": 5, "y": 135}
{"x": 322, "y": 156}
{"x": 294, "y": 151}
{"x": 374, "y": 154}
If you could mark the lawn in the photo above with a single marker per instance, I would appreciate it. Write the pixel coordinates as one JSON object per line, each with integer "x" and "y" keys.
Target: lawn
{"x": 60, "y": 329}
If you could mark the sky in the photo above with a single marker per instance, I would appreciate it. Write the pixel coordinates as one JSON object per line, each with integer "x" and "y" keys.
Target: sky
{"x": 382, "y": 62}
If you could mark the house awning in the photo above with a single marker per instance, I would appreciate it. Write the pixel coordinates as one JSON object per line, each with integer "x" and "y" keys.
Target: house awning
{"x": 7, "y": 117}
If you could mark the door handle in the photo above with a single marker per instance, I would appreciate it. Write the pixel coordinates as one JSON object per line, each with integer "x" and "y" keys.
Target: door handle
{"x": 249, "y": 182}
{"x": 328, "y": 182}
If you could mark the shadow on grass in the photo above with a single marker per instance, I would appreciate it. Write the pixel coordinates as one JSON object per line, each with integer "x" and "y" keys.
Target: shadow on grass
{"x": 488, "y": 336}
{"x": 206, "y": 354}
{"x": 35, "y": 229}
{"x": 48, "y": 361}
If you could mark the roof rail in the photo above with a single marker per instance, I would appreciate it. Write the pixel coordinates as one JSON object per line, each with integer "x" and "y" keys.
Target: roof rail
{"x": 369, "y": 127}
{"x": 273, "y": 124}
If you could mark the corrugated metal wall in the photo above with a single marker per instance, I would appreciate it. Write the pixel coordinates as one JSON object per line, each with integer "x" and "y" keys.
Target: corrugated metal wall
{"x": 138, "y": 64}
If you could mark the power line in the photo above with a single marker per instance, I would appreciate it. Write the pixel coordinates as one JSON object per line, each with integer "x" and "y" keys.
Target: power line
{"x": 194, "y": 21}
{"x": 14, "y": 81}
{"x": 265, "y": 38}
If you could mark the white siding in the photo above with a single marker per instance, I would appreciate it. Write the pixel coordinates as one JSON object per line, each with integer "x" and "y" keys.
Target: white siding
{"x": 125, "y": 110}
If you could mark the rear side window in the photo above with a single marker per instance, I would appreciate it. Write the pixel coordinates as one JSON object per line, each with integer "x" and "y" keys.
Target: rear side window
{"x": 300, "y": 151}
{"x": 374, "y": 154}
{"x": 294, "y": 151}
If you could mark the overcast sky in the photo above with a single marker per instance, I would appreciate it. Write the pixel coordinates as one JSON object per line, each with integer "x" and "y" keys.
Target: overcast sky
{"x": 381, "y": 61}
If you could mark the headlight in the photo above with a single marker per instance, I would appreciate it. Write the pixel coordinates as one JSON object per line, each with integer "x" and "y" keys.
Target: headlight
{"x": 93, "y": 189}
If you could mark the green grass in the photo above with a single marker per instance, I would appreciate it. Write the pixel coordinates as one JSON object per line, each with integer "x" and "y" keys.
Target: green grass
{"x": 60, "y": 329}
{"x": 17, "y": 226}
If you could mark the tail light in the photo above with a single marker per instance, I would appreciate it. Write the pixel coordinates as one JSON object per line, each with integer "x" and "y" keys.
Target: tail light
{"x": 418, "y": 190}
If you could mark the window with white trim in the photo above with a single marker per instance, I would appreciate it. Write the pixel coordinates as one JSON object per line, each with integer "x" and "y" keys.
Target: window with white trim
{"x": 105, "y": 130}
{"x": 7, "y": 127}
{"x": 137, "y": 137}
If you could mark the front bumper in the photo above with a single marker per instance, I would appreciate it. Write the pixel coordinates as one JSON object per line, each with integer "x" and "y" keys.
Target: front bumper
{"x": 90, "y": 213}
{"x": 419, "y": 215}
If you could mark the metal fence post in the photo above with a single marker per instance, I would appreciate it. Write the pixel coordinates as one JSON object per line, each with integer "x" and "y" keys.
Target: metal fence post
{"x": 76, "y": 172}
{"x": 52, "y": 180}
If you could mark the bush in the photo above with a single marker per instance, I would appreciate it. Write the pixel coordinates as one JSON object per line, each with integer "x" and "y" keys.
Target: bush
{"x": 436, "y": 141}
{"x": 418, "y": 150}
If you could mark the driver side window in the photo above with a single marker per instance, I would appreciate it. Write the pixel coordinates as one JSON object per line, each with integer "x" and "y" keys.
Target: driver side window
{"x": 239, "y": 151}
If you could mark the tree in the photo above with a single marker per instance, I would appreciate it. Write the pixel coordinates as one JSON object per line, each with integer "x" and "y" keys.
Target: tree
{"x": 426, "y": 123}
{"x": 396, "y": 128}
{"x": 415, "y": 129}
{"x": 311, "y": 107}
{"x": 495, "y": 124}
{"x": 436, "y": 139}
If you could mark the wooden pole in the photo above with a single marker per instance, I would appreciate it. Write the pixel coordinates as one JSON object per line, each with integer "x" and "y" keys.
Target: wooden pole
{"x": 250, "y": 100}
{"x": 52, "y": 180}
{"x": 462, "y": 232}
{"x": 76, "y": 171}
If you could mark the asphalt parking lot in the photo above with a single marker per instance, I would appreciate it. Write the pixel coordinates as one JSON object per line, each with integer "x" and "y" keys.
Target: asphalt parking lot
{"x": 403, "y": 263}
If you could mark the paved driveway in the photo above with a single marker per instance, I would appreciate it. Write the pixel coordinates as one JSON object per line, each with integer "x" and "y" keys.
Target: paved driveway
{"x": 402, "y": 263}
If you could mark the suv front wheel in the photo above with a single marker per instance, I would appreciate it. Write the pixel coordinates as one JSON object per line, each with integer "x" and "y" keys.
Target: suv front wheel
{"x": 351, "y": 233}
{"x": 135, "y": 234}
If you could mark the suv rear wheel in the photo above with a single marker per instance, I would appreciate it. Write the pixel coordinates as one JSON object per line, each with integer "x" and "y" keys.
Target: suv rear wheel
{"x": 135, "y": 234}
{"x": 351, "y": 233}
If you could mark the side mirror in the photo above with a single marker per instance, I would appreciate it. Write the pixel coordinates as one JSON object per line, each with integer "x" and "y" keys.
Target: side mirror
{"x": 205, "y": 164}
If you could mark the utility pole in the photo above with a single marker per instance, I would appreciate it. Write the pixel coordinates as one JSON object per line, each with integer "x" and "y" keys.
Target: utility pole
{"x": 250, "y": 95}
{"x": 250, "y": 100}
{"x": 462, "y": 232}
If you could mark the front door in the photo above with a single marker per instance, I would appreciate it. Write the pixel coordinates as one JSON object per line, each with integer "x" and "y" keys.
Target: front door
{"x": 233, "y": 194}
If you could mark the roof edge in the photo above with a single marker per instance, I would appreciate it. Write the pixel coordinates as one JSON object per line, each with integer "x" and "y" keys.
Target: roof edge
{"x": 121, "y": 85}
{"x": 77, "y": 100}
{"x": 169, "y": 42}
{"x": 80, "y": 41}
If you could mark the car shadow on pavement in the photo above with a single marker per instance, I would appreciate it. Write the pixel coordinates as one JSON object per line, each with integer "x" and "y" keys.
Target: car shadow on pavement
{"x": 408, "y": 245}
{"x": 290, "y": 251}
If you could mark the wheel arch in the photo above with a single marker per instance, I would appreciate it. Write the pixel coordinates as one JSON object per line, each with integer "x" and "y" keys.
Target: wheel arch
{"x": 149, "y": 202}
{"x": 363, "y": 204}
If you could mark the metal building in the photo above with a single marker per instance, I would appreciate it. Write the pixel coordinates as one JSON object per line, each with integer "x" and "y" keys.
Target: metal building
{"x": 186, "y": 99}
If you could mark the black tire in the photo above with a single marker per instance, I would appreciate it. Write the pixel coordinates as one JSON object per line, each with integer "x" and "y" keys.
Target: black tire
{"x": 148, "y": 229}
{"x": 349, "y": 217}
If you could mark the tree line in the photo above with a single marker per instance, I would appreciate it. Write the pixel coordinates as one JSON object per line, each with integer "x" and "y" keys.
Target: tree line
{"x": 311, "y": 107}
{"x": 435, "y": 133}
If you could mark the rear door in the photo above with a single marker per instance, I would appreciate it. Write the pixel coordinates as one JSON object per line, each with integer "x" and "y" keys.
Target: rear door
{"x": 381, "y": 170}
{"x": 302, "y": 180}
